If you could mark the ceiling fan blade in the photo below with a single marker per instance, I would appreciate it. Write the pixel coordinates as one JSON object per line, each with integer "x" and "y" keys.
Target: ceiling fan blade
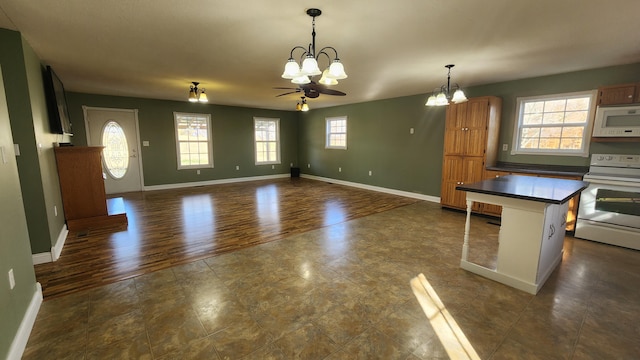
{"x": 285, "y": 88}
{"x": 331, "y": 92}
{"x": 288, "y": 93}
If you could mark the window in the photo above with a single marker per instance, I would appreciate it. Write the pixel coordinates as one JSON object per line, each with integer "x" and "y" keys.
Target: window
{"x": 267, "y": 140}
{"x": 194, "y": 144}
{"x": 554, "y": 124}
{"x": 336, "y": 133}
{"x": 116, "y": 150}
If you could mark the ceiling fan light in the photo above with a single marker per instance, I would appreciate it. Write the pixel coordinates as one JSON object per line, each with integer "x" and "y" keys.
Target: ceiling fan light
{"x": 431, "y": 101}
{"x": 326, "y": 79}
{"x": 441, "y": 100}
{"x": 193, "y": 97}
{"x": 304, "y": 79}
{"x": 310, "y": 66}
{"x": 305, "y": 106}
{"x": 291, "y": 69}
{"x": 203, "y": 97}
{"x": 458, "y": 96}
{"x": 298, "y": 107}
{"x": 336, "y": 70}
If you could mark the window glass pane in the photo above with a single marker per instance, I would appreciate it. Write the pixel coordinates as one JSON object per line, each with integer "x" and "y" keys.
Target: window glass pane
{"x": 553, "y": 118}
{"x": 532, "y": 119}
{"x": 529, "y": 143}
{"x": 550, "y": 132}
{"x": 550, "y": 143}
{"x": 534, "y": 107}
{"x": 578, "y": 104}
{"x": 116, "y": 151}
{"x": 554, "y": 105}
{"x": 576, "y": 117}
{"x": 573, "y": 144}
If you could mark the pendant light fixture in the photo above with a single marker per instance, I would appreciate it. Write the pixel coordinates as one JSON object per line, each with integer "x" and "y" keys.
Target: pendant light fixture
{"x": 302, "y": 106}
{"x": 299, "y": 72}
{"x": 443, "y": 95}
{"x": 197, "y": 95}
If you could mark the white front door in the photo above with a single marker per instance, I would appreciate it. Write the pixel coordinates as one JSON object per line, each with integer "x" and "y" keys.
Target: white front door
{"x": 117, "y": 131}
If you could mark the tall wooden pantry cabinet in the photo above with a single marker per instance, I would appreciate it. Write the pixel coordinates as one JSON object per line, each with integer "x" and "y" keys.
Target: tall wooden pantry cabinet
{"x": 470, "y": 144}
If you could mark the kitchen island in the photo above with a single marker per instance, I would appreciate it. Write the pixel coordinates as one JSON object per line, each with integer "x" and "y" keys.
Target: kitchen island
{"x": 532, "y": 230}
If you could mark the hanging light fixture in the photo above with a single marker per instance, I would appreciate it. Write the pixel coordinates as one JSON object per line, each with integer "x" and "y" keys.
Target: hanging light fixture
{"x": 299, "y": 72}
{"x": 197, "y": 95}
{"x": 302, "y": 106}
{"x": 443, "y": 95}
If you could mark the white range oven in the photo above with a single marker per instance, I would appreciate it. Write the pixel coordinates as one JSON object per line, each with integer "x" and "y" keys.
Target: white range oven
{"x": 609, "y": 210}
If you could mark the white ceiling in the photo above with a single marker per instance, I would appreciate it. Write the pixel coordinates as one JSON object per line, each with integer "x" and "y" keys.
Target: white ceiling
{"x": 237, "y": 49}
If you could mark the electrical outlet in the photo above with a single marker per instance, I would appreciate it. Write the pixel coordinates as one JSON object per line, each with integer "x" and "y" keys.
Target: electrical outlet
{"x": 291, "y": 165}
{"x": 505, "y": 147}
{"x": 339, "y": 169}
{"x": 55, "y": 210}
{"x": 309, "y": 166}
{"x": 411, "y": 131}
{"x": 370, "y": 173}
{"x": 145, "y": 143}
{"x": 237, "y": 167}
{"x": 273, "y": 167}
{"x": 12, "y": 280}
{"x": 197, "y": 172}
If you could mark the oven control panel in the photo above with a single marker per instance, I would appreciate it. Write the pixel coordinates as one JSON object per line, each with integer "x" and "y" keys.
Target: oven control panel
{"x": 616, "y": 160}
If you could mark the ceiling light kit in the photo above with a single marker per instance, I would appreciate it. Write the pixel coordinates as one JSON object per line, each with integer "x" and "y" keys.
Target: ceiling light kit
{"x": 443, "y": 96}
{"x": 197, "y": 95}
{"x": 302, "y": 106}
{"x": 299, "y": 74}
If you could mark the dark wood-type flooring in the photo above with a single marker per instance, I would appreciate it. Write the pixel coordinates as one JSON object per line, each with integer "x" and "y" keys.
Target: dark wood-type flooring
{"x": 172, "y": 227}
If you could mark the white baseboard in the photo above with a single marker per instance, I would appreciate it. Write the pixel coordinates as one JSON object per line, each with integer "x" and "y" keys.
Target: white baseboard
{"x": 213, "y": 182}
{"x": 56, "y": 250}
{"x": 22, "y": 336}
{"x": 375, "y": 188}
{"x": 41, "y": 258}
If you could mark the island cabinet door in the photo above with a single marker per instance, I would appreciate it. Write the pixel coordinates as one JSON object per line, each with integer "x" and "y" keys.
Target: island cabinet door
{"x": 458, "y": 170}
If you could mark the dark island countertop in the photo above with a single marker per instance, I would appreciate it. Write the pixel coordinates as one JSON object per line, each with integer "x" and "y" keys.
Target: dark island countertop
{"x": 548, "y": 190}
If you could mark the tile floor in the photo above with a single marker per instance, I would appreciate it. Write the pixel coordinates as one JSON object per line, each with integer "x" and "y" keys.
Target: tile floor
{"x": 342, "y": 292}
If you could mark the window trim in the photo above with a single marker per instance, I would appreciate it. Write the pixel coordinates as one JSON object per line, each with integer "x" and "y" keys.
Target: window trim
{"x": 255, "y": 141}
{"x": 176, "y": 114}
{"x": 584, "y": 152}
{"x": 327, "y": 132}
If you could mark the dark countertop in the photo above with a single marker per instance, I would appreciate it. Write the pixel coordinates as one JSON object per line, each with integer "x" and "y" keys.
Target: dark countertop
{"x": 548, "y": 190}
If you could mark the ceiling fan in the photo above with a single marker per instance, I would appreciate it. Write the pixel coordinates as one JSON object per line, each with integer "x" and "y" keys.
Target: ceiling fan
{"x": 311, "y": 90}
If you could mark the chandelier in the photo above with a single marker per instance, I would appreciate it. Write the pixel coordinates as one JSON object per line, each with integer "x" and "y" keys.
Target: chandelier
{"x": 302, "y": 106}
{"x": 443, "y": 96}
{"x": 299, "y": 72}
{"x": 196, "y": 95}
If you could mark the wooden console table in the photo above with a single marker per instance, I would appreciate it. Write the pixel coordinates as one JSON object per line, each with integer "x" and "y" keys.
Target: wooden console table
{"x": 82, "y": 186}
{"x": 534, "y": 211}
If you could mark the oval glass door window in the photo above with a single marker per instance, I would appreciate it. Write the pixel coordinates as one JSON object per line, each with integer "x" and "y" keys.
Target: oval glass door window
{"x": 116, "y": 151}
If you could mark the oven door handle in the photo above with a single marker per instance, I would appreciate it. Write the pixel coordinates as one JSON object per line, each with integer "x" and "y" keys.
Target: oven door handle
{"x": 611, "y": 182}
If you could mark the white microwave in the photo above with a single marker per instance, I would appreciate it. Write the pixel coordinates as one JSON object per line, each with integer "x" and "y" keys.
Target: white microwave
{"x": 617, "y": 121}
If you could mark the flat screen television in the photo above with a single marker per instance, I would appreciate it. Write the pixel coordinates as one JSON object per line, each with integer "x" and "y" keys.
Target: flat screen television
{"x": 56, "y": 103}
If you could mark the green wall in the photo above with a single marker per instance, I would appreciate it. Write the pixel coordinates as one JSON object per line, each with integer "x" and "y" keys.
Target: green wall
{"x": 378, "y": 136}
{"x": 232, "y": 137}
{"x": 379, "y": 140}
{"x": 15, "y": 252}
{"x": 29, "y": 124}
